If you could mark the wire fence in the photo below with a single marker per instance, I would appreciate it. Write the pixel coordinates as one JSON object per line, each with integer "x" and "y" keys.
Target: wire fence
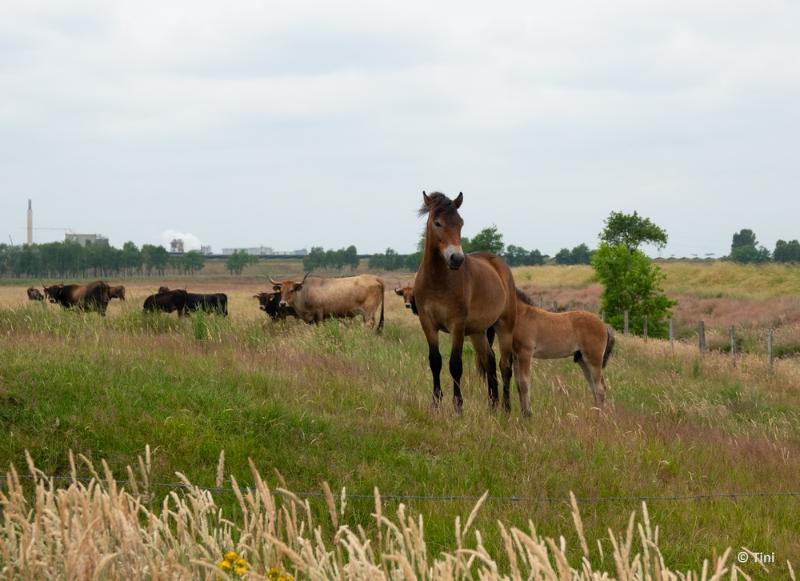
{"x": 714, "y": 495}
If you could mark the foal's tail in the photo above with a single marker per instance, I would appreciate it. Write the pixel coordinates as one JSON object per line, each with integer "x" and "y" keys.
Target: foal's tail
{"x": 610, "y": 340}
{"x": 383, "y": 299}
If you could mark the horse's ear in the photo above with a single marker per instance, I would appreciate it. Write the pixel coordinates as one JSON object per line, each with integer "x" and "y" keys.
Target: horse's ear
{"x": 427, "y": 199}
{"x": 459, "y": 199}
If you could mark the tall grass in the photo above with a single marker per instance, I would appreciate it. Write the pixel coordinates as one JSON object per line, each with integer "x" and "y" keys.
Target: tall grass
{"x": 110, "y": 530}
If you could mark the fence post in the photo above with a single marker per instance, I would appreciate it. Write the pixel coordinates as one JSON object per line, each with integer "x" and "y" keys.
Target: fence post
{"x": 769, "y": 349}
{"x": 625, "y": 322}
{"x": 671, "y": 337}
{"x": 733, "y": 345}
{"x": 645, "y": 328}
{"x": 701, "y": 334}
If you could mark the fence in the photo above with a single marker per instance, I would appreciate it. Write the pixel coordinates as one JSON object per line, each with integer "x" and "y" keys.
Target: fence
{"x": 701, "y": 338}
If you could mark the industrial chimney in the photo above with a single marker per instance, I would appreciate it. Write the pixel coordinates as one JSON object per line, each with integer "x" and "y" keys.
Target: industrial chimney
{"x": 30, "y": 223}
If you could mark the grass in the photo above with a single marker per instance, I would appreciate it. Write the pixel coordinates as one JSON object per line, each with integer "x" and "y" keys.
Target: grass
{"x": 336, "y": 403}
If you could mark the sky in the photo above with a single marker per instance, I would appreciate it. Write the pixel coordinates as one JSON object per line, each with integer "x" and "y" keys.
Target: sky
{"x": 292, "y": 124}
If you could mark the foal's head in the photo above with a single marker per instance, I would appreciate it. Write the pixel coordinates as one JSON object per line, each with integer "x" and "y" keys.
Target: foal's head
{"x": 444, "y": 226}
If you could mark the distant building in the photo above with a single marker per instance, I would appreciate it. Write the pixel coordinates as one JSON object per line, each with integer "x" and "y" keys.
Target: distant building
{"x": 176, "y": 246}
{"x": 263, "y": 251}
{"x": 255, "y": 251}
{"x": 206, "y": 250}
{"x": 85, "y": 239}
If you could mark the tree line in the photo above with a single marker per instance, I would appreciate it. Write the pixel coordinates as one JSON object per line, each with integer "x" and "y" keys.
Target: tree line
{"x": 746, "y": 249}
{"x": 71, "y": 259}
{"x": 487, "y": 240}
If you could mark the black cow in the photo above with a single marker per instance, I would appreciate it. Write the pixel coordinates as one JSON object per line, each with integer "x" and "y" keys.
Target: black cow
{"x": 210, "y": 303}
{"x": 270, "y": 303}
{"x": 167, "y": 302}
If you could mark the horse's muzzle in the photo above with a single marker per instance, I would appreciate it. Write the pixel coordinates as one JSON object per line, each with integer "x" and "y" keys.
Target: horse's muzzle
{"x": 454, "y": 257}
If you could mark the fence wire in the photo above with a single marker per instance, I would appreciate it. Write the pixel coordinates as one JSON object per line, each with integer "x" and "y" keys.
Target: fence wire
{"x": 446, "y": 498}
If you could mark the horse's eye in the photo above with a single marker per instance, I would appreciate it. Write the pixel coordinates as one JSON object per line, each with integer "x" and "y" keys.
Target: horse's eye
{"x": 437, "y": 224}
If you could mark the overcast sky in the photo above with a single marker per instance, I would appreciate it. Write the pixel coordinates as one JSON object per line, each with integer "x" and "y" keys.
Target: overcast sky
{"x": 293, "y": 124}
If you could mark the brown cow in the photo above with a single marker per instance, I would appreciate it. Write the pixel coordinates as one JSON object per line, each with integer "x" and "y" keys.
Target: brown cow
{"x": 322, "y": 298}
{"x": 407, "y": 292}
{"x": 89, "y": 297}
{"x": 34, "y": 294}
{"x": 117, "y": 292}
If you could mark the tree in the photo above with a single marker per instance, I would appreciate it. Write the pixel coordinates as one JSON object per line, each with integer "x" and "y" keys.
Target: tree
{"x": 487, "y": 240}
{"x": 563, "y": 256}
{"x": 786, "y": 251}
{"x": 745, "y": 248}
{"x": 581, "y": 254}
{"x": 631, "y": 281}
{"x": 632, "y": 230}
{"x": 236, "y": 262}
{"x": 192, "y": 261}
{"x": 519, "y": 256}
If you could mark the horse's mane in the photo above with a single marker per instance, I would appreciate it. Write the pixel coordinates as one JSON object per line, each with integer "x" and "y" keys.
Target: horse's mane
{"x": 523, "y": 296}
{"x": 438, "y": 201}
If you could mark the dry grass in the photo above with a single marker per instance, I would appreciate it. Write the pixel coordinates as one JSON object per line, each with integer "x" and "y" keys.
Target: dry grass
{"x": 102, "y": 529}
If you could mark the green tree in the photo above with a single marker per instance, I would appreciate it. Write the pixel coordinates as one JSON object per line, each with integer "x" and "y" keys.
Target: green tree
{"x": 192, "y": 262}
{"x": 487, "y": 240}
{"x": 632, "y": 230}
{"x": 581, "y": 254}
{"x": 519, "y": 256}
{"x": 563, "y": 256}
{"x": 631, "y": 282}
{"x": 314, "y": 259}
{"x": 786, "y": 251}
{"x": 745, "y": 248}
{"x": 236, "y": 262}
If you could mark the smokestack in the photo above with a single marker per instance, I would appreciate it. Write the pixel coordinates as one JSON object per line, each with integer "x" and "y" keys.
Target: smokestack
{"x": 30, "y": 223}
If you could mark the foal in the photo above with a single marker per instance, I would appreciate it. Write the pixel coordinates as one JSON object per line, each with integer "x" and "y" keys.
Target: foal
{"x": 463, "y": 295}
{"x": 540, "y": 334}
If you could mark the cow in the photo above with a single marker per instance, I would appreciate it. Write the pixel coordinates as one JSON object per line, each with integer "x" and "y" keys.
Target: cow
{"x": 270, "y": 303}
{"x": 322, "y": 298}
{"x": 407, "y": 292}
{"x": 167, "y": 302}
{"x": 210, "y": 303}
{"x": 117, "y": 292}
{"x": 89, "y": 297}
{"x": 163, "y": 289}
{"x": 34, "y": 294}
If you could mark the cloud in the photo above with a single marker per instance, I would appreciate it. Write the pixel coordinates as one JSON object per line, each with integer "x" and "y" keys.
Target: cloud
{"x": 190, "y": 241}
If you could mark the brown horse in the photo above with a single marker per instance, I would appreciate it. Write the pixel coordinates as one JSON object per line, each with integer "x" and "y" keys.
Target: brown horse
{"x": 541, "y": 334}
{"x": 463, "y": 295}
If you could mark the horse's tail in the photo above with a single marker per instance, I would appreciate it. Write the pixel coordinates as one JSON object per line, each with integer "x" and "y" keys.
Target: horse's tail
{"x": 610, "y": 340}
{"x": 383, "y": 300}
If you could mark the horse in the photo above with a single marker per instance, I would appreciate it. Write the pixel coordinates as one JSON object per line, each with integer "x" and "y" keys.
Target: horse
{"x": 464, "y": 295}
{"x": 540, "y": 334}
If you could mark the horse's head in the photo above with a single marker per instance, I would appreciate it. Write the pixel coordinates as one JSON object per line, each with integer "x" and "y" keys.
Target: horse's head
{"x": 444, "y": 226}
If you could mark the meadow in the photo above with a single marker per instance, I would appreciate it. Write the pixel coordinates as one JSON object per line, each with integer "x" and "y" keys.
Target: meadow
{"x": 335, "y": 403}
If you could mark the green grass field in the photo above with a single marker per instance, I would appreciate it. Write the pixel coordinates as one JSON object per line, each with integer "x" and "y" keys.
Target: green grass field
{"x": 336, "y": 403}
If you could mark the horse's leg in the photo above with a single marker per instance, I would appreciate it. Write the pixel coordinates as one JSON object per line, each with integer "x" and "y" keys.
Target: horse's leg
{"x": 456, "y": 366}
{"x": 506, "y": 342}
{"x": 487, "y": 365}
{"x": 522, "y": 371}
{"x": 434, "y": 360}
{"x": 594, "y": 377}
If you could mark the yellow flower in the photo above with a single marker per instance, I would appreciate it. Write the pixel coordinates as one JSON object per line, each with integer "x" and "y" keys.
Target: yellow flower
{"x": 240, "y": 571}
{"x": 231, "y": 556}
{"x": 274, "y": 573}
{"x": 242, "y": 563}
{"x": 225, "y": 565}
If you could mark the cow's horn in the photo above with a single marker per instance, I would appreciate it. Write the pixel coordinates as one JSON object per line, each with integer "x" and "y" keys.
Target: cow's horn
{"x": 305, "y": 277}
{"x": 273, "y": 281}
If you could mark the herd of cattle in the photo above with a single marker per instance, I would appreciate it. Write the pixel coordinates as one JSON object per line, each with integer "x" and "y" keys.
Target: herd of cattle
{"x": 311, "y": 299}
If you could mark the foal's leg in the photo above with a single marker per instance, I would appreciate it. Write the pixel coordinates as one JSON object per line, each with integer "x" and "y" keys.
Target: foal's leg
{"x": 506, "y": 342}
{"x": 594, "y": 377}
{"x": 487, "y": 365}
{"x": 522, "y": 371}
{"x": 456, "y": 367}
